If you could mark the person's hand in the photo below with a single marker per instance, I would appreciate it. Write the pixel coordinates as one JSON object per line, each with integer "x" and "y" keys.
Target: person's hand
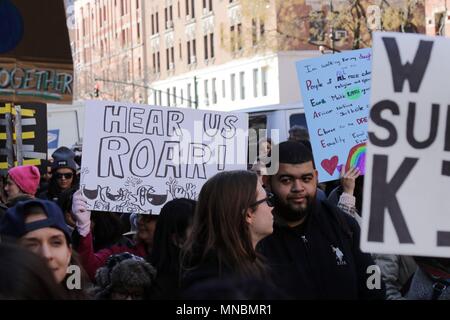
{"x": 348, "y": 179}
{"x": 81, "y": 213}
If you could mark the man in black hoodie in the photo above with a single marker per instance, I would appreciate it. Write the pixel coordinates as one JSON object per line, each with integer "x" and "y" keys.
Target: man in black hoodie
{"x": 314, "y": 250}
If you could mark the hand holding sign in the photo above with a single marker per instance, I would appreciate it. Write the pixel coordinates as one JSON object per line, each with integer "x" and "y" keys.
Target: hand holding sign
{"x": 348, "y": 179}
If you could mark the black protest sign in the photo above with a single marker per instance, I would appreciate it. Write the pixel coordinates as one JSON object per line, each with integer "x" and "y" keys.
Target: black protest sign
{"x": 33, "y": 130}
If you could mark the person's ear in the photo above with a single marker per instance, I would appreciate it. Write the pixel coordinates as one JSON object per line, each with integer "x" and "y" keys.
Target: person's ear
{"x": 249, "y": 216}
{"x": 69, "y": 257}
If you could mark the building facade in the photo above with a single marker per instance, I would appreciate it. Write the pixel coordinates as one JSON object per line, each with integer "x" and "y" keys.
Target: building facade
{"x": 207, "y": 54}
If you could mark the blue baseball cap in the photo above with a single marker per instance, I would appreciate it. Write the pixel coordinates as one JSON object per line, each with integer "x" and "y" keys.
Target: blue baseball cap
{"x": 13, "y": 222}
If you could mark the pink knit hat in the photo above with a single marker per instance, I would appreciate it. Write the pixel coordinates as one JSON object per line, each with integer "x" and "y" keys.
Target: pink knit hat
{"x": 26, "y": 177}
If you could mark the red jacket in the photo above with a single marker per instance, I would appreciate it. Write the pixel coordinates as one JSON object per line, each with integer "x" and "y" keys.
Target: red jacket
{"x": 91, "y": 260}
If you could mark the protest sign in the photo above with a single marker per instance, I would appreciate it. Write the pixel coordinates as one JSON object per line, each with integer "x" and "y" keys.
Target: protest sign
{"x": 138, "y": 157}
{"x": 335, "y": 90}
{"x": 406, "y": 203}
{"x": 33, "y": 126}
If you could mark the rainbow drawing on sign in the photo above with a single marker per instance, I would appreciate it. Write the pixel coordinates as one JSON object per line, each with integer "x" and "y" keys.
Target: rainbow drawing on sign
{"x": 357, "y": 158}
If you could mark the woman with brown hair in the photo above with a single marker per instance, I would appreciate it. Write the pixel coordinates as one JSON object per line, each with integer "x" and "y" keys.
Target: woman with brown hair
{"x": 233, "y": 214}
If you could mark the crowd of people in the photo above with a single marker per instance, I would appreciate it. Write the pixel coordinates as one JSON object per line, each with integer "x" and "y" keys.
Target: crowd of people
{"x": 249, "y": 235}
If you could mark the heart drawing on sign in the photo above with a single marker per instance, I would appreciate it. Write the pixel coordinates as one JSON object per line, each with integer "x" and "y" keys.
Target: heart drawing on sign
{"x": 330, "y": 165}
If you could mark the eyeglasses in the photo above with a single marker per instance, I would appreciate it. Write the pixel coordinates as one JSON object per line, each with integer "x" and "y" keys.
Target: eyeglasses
{"x": 269, "y": 200}
{"x": 68, "y": 175}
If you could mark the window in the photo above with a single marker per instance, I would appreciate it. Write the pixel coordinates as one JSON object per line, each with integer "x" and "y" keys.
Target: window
{"x": 181, "y": 96}
{"x": 122, "y": 9}
{"x": 223, "y": 89}
{"x": 233, "y": 85}
{"x": 154, "y": 62}
{"x": 137, "y": 4}
{"x": 255, "y": 83}
{"x": 123, "y": 39}
{"x": 193, "y": 8}
{"x": 205, "y": 42}
{"x": 159, "y": 62}
{"x": 168, "y": 97}
{"x": 189, "y": 95}
{"x": 206, "y": 93}
{"x": 188, "y": 46}
{"x": 256, "y": 123}
{"x": 155, "y": 100}
{"x": 439, "y": 23}
{"x": 187, "y": 7}
{"x": 262, "y": 29}
{"x": 211, "y": 40}
{"x": 297, "y": 119}
{"x": 165, "y": 18}
{"x": 178, "y": 6}
{"x": 172, "y": 56}
{"x": 153, "y": 24}
{"x": 139, "y": 31}
{"x": 174, "y": 90}
{"x": 214, "y": 92}
{"x": 179, "y": 49}
{"x": 239, "y": 36}
{"x": 160, "y": 97}
{"x": 140, "y": 66}
{"x": 167, "y": 59}
{"x": 242, "y": 82}
{"x": 157, "y": 23}
{"x": 254, "y": 32}
{"x": 264, "y": 81}
{"x": 194, "y": 50}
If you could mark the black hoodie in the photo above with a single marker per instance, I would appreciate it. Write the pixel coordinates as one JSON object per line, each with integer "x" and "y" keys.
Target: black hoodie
{"x": 321, "y": 258}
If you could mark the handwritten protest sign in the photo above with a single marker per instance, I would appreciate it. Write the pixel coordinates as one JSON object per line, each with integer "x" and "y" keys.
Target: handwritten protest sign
{"x": 406, "y": 207}
{"x": 335, "y": 90}
{"x": 137, "y": 157}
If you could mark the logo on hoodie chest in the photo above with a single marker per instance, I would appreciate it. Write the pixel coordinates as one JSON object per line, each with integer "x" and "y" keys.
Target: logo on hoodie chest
{"x": 340, "y": 261}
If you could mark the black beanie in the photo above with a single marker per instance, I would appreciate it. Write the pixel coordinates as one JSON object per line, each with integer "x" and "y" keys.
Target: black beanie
{"x": 63, "y": 157}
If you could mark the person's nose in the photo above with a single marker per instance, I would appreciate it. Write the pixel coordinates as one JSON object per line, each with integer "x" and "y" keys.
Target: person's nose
{"x": 45, "y": 252}
{"x": 297, "y": 186}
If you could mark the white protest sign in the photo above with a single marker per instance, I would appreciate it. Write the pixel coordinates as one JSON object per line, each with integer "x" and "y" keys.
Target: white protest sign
{"x": 138, "y": 157}
{"x": 335, "y": 90}
{"x": 406, "y": 207}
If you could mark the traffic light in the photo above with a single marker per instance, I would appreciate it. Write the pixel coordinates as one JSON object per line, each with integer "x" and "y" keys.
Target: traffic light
{"x": 96, "y": 90}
